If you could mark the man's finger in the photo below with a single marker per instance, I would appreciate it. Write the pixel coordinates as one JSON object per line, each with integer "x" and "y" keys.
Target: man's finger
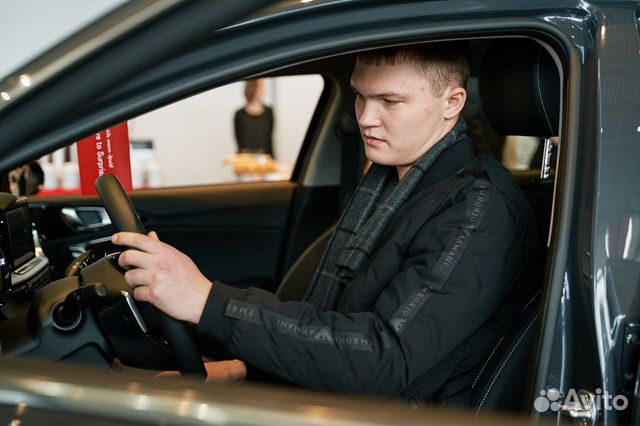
{"x": 138, "y": 277}
{"x": 138, "y": 241}
{"x": 141, "y": 293}
{"x": 135, "y": 259}
{"x": 153, "y": 235}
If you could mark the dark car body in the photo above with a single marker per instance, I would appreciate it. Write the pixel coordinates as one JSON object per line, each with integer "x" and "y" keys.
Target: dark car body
{"x": 143, "y": 56}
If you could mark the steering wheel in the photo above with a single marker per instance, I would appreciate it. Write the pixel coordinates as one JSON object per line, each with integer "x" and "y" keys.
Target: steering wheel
{"x": 124, "y": 218}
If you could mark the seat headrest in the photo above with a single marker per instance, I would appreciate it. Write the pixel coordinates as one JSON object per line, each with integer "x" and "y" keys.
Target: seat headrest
{"x": 520, "y": 88}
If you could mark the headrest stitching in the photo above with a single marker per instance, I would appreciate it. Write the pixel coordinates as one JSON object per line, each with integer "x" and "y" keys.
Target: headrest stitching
{"x": 544, "y": 110}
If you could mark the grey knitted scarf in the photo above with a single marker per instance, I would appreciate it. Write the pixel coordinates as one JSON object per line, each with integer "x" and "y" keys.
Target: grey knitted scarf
{"x": 364, "y": 219}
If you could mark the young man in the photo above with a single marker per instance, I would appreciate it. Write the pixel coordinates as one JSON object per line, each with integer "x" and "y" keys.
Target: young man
{"x": 419, "y": 280}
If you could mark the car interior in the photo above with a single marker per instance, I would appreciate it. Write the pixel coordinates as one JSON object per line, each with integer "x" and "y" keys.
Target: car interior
{"x": 63, "y": 299}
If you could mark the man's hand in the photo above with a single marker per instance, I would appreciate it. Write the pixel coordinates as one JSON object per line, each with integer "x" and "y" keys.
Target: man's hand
{"x": 233, "y": 371}
{"x": 163, "y": 276}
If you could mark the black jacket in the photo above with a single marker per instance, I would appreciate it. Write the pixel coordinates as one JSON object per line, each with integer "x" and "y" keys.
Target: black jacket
{"x": 424, "y": 312}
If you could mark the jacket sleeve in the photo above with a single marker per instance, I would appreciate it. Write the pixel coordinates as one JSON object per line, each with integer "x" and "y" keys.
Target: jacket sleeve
{"x": 454, "y": 275}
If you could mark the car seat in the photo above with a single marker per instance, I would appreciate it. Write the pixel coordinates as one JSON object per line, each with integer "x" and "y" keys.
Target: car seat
{"x": 295, "y": 282}
{"x": 520, "y": 93}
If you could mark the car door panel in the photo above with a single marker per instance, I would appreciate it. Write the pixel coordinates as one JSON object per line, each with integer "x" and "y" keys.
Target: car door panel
{"x": 233, "y": 232}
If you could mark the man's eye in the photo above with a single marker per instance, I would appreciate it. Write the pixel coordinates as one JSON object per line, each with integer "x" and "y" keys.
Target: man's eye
{"x": 390, "y": 101}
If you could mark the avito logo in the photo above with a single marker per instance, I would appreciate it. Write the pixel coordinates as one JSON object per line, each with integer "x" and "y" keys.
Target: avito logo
{"x": 553, "y": 400}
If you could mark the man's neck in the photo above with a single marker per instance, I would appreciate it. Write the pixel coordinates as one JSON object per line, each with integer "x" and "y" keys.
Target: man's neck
{"x": 449, "y": 125}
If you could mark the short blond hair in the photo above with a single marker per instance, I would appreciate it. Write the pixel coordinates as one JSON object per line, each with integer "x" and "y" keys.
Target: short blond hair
{"x": 442, "y": 63}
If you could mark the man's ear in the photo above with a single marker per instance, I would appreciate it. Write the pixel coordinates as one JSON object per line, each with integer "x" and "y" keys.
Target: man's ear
{"x": 455, "y": 98}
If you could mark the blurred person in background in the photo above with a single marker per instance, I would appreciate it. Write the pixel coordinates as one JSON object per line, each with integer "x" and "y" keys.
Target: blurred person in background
{"x": 254, "y": 123}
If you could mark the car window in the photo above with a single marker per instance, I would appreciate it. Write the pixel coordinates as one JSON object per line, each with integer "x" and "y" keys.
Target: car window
{"x": 226, "y": 143}
{"x": 210, "y": 138}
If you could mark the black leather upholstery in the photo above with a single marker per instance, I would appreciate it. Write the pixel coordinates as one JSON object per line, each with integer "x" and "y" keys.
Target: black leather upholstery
{"x": 520, "y": 91}
{"x": 520, "y": 88}
{"x": 295, "y": 282}
{"x": 539, "y": 193}
{"x": 501, "y": 382}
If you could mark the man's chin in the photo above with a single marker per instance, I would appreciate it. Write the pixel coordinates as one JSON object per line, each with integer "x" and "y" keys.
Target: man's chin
{"x": 376, "y": 155}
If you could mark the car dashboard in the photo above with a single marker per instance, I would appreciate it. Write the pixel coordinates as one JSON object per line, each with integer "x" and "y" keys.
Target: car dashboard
{"x": 23, "y": 268}
{"x": 85, "y": 316}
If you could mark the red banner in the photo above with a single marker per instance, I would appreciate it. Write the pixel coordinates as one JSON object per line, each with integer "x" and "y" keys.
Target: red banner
{"x": 106, "y": 152}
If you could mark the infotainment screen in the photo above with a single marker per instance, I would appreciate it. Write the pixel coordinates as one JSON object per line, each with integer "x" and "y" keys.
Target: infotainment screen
{"x": 20, "y": 235}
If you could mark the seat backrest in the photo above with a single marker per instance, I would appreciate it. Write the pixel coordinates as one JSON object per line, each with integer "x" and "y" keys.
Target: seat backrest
{"x": 539, "y": 193}
{"x": 520, "y": 93}
{"x": 501, "y": 383}
{"x": 295, "y": 282}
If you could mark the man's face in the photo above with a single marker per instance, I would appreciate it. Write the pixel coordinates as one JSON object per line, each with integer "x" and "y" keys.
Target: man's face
{"x": 398, "y": 116}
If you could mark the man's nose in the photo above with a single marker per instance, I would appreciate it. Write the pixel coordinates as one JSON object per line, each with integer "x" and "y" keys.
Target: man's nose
{"x": 368, "y": 116}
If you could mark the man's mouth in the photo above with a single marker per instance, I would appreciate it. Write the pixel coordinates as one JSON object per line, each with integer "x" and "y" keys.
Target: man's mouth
{"x": 372, "y": 141}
